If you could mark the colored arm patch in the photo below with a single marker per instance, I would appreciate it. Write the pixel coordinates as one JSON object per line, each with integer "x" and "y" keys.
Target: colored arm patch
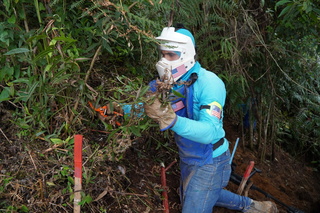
{"x": 215, "y": 109}
{"x": 177, "y": 106}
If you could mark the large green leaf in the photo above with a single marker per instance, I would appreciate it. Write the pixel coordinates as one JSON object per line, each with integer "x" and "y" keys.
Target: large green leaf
{"x": 279, "y": 3}
{"x": 5, "y": 94}
{"x": 17, "y": 51}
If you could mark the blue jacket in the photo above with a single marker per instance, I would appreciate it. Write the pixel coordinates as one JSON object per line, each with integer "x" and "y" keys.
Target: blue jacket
{"x": 198, "y": 130}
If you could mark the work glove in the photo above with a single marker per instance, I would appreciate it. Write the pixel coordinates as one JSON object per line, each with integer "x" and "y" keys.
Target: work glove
{"x": 161, "y": 113}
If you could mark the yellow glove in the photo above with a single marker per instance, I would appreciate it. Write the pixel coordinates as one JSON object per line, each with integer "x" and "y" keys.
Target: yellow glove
{"x": 162, "y": 114}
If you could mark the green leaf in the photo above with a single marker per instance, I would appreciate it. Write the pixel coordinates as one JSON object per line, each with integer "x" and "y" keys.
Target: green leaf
{"x": 31, "y": 90}
{"x": 316, "y": 11}
{"x": 43, "y": 54}
{"x": 111, "y": 134}
{"x": 61, "y": 38}
{"x": 23, "y": 208}
{"x": 6, "y": 73}
{"x": 5, "y": 94}
{"x": 12, "y": 19}
{"x": 144, "y": 91}
{"x": 37, "y": 37}
{"x": 70, "y": 179}
{"x": 279, "y": 3}
{"x": 41, "y": 7}
{"x": 177, "y": 94}
{"x": 306, "y": 6}
{"x": 40, "y": 133}
{"x": 285, "y": 10}
{"x": 56, "y": 140}
{"x": 17, "y": 51}
{"x": 22, "y": 80}
{"x": 6, "y": 3}
{"x": 135, "y": 130}
{"x": 24, "y": 125}
{"x": 50, "y": 184}
{"x": 86, "y": 199}
{"x": 48, "y": 67}
{"x": 4, "y": 37}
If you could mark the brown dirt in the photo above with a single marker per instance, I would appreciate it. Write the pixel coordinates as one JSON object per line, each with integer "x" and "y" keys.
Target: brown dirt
{"x": 133, "y": 183}
{"x": 289, "y": 180}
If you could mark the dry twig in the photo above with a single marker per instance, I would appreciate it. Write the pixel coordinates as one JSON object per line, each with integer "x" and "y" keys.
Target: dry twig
{"x": 5, "y": 136}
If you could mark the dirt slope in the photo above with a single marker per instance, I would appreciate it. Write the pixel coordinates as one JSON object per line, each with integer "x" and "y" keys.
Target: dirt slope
{"x": 287, "y": 179}
{"x": 292, "y": 182}
{"x": 133, "y": 184}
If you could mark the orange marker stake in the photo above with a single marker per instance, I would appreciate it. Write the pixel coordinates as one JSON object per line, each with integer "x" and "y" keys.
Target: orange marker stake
{"x": 77, "y": 172}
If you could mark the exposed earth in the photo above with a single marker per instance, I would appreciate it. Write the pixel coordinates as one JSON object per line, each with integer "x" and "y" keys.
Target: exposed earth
{"x": 29, "y": 175}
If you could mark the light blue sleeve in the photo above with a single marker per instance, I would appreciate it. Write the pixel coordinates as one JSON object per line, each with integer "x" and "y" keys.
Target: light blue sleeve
{"x": 205, "y": 128}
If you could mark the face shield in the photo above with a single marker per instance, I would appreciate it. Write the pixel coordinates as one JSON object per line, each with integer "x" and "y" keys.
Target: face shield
{"x": 169, "y": 66}
{"x": 177, "y": 55}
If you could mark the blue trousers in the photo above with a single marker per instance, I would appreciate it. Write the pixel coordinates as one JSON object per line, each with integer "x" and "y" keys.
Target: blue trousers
{"x": 202, "y": 187}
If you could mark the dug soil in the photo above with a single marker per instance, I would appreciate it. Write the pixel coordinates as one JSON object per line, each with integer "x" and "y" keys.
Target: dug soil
{"x": 133, "y": 184}
{"x": 293, "y": 183}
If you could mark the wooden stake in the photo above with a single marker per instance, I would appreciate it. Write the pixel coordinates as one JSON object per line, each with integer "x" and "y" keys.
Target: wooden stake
{"x": 77, "y": 172}
{"x": 165, "y": 201}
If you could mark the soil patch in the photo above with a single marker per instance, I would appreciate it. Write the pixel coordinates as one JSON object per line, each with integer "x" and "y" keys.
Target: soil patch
{"x": 29, "y": 176}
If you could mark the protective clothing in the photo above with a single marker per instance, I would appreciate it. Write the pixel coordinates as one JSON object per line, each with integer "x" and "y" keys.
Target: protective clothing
{"x": 190, "y": 152}
{"x": 198, "y": 126}
{"x": 198, "y": 129}
{"x": 262, "y": 207}
{"x": 182, "y": 43}
{"x": 201, "y": 126}
{"x": 162, "y": 114}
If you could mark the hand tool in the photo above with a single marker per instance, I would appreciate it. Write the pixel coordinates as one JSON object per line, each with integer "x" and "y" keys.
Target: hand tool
{"x": 245, "y": 177}
{"x": 109, "y": 113}
{"x": 235, "y": 178}
{"x": 255, "y": 170}
{"x": 234, "y": 150}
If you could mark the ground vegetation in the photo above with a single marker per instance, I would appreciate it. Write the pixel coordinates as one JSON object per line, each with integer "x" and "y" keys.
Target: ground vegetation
{"x": 56, "y": 56}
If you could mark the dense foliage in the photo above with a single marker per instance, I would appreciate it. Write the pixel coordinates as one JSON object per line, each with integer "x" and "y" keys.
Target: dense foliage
{"x": 57, "y": 55}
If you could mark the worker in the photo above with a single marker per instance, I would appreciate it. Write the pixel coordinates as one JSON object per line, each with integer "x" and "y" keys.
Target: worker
{"x": 196, "y": 118}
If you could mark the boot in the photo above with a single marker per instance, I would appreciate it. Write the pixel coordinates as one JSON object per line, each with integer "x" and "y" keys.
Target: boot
{"x": 262, "y": 207}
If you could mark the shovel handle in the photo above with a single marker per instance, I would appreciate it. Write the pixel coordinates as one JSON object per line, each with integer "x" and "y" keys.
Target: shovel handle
{"x": 249, "y": 169}
{"x": 245, "y": 177}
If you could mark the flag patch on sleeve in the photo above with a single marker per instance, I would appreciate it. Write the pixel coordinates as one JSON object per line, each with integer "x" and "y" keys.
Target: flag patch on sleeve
{"x": 215, "y": 109}
{"x": 177, "y": 106}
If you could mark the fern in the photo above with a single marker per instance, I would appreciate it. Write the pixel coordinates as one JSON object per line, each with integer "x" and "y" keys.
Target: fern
{"x": 54, "y": 2}
{"x": 76, "y": 4}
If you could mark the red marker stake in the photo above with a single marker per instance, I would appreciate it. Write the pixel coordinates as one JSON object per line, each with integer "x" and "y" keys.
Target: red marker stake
{"x": 77, "y": 172}
{"x": 165, "y": 201}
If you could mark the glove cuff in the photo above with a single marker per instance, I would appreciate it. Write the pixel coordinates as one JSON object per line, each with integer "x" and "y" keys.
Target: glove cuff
{"x": 171, "y": 124}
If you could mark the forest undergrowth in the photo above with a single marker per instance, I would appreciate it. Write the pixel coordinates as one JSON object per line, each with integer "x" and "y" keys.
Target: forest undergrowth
{"x": 38, "y": 176}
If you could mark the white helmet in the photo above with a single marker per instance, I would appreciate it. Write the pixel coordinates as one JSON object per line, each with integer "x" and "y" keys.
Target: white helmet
{"x": 180, "y": 41}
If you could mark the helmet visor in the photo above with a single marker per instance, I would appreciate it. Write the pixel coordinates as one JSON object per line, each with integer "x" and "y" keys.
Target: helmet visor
{"x": 170, "y": 55}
